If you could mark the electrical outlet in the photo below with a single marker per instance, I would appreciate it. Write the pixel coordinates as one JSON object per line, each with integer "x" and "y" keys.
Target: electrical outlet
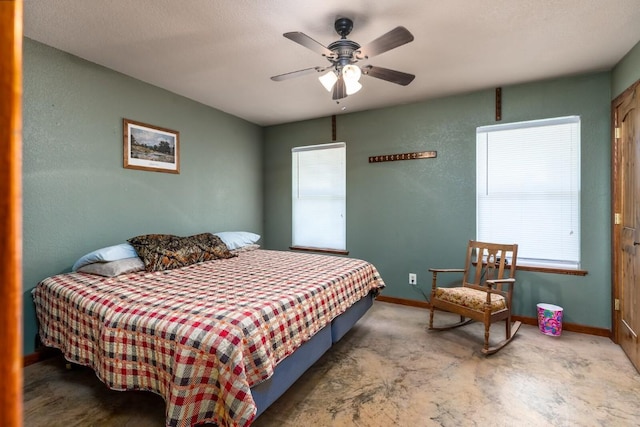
{"x": 413, "y": 278}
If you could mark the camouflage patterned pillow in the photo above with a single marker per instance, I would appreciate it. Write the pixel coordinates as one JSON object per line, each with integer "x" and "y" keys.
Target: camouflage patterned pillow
{"x": 165, "y": 251}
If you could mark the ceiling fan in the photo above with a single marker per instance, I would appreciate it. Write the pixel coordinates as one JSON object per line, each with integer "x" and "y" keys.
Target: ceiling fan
{"x": 343, "y": 73}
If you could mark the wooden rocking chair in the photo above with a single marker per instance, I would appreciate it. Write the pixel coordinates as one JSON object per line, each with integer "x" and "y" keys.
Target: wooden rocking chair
{"x": 485, "y": 293}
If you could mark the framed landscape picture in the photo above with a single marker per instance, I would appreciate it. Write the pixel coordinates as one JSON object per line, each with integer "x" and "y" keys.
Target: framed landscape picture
{"x": 151, "y": 148}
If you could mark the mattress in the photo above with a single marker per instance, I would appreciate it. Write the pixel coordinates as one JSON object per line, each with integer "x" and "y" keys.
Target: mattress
{"x": 200, "y": 336}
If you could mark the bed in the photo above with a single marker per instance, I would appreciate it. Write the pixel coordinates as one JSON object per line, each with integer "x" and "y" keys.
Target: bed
{"x": 219, "y": 340}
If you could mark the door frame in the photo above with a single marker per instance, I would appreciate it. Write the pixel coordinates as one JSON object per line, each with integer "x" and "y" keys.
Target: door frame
{"x": 616, "y": 205}
{"x": 11, "y": 212}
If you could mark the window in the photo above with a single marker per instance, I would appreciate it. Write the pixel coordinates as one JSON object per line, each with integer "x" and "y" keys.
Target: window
{"x": 528, "y": 189}
{"x": 319, "y": 196}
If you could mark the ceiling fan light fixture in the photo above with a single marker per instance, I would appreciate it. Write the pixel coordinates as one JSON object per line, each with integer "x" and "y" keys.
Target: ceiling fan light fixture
{"x": 328, "y": 80}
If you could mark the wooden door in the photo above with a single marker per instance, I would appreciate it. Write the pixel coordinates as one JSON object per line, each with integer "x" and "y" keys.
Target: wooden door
{"x": 627, "y": 221}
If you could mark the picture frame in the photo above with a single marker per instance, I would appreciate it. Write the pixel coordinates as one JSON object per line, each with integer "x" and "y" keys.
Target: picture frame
{"x": 150, "y": 148}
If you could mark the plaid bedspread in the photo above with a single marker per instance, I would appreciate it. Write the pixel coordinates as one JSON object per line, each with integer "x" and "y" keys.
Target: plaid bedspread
{"x": 200, "y": 336}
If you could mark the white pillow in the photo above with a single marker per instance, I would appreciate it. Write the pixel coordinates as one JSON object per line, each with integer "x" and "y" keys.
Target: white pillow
{"x": 113, "y": 268}
{"x": 247, "y": 248}
{"x": 237, "y": 239}
{"x": 110, "y": 253}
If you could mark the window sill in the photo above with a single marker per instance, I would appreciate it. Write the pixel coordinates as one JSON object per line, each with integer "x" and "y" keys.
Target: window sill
{"x": 567, "y": 271}
{"x": 321, "y": 250}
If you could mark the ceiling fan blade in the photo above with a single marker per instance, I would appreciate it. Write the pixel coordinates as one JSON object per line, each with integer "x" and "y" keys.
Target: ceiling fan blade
{"x": 339, "y": 90}
{"x": 309, "y": 43}
{"x": 298, "y": 73}
{"x": 392, "y": 76}
{"x": 394, "y": 38}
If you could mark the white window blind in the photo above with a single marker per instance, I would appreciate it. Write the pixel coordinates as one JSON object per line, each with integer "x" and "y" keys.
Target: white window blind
{"x": 319, "y": 196}
{"x": 528, "y": 189}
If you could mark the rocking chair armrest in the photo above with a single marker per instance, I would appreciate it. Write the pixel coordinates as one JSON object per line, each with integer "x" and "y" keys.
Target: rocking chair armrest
{"x": 493, "y": 282}
{"x": 435, "y": 272}
{"x": 498, "y": 281}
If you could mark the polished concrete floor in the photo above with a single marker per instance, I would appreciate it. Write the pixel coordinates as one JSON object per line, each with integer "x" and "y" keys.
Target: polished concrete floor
{"x": 390, "y": 371}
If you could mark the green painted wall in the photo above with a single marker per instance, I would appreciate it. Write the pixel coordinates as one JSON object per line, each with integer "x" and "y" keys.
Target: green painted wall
{"x": 626, "y": 72}
{"x": 408, "y": 216}
{"x": 77, "y": 195}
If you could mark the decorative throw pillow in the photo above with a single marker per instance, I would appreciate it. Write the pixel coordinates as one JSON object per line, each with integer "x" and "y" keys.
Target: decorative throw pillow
{"x": 165, "y": 251}
{"x": 114, "y": 268}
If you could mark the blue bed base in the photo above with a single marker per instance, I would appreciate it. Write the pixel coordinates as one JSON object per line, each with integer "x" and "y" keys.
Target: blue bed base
{"x": 292, "y": 367}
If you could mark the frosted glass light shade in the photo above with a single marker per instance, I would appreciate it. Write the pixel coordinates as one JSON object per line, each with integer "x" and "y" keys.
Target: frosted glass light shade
{"x": 351, "y": 73}
{"x": 328, "y": 80}
{"x": 352, "y": 86}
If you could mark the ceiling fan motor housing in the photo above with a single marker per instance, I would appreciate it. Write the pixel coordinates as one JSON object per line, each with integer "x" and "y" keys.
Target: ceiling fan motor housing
{"x": 344, "y": 49}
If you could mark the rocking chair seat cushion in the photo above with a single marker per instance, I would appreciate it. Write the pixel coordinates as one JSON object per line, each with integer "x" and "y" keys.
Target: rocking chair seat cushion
{"x": 470, "y": 298}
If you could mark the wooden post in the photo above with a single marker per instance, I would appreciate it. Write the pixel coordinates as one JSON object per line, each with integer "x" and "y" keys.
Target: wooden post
{"x": 498, "y": 104}
{"x": 11, "y": 212}
{"x": 333, "y": 128}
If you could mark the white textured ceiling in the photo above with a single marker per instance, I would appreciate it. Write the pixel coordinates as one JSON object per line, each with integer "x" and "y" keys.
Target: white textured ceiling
{"x": 222, "y": 53}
